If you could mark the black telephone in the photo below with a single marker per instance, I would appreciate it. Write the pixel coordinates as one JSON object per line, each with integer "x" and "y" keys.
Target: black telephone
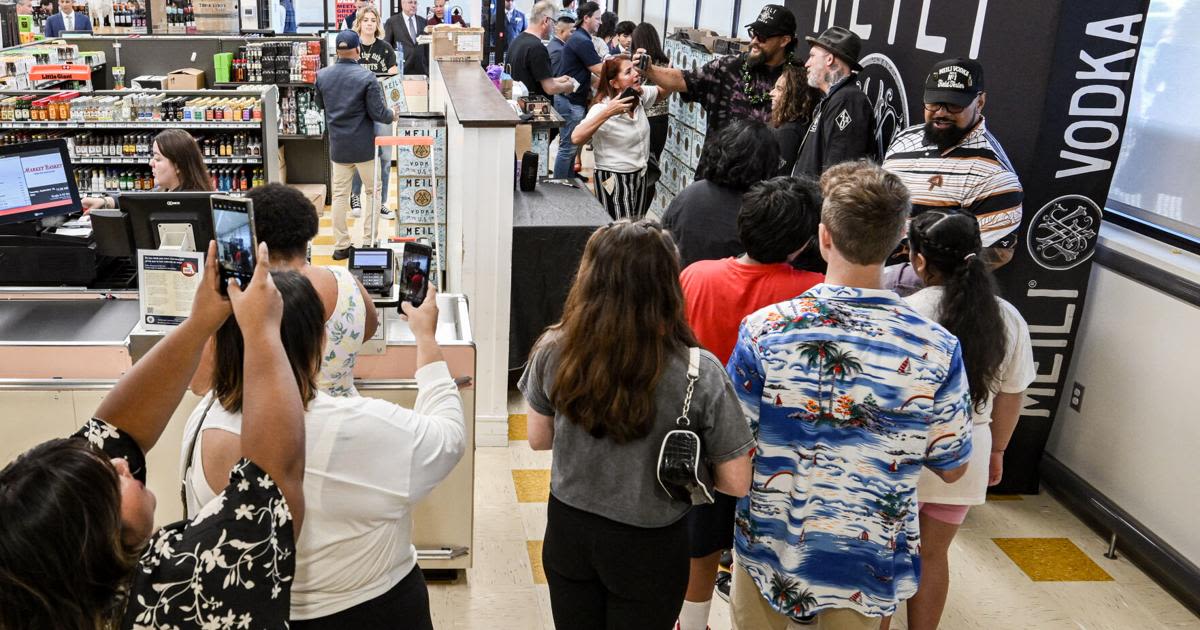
{"x": 374, "y": 269}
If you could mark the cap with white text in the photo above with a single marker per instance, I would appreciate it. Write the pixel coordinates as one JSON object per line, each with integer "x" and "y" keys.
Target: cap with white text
{"x": 954, "y": 81}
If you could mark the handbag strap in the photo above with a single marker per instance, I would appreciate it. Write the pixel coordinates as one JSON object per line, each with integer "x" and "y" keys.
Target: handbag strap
{"x": 693, "y": 374}
{"x": 191, "y": 449}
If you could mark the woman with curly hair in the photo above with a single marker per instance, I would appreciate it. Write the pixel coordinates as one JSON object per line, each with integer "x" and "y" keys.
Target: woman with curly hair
{"x": 792, "y": 103}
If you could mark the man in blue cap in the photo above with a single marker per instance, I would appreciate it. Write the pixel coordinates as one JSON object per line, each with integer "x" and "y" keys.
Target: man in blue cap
{"x": 353, "y": 103}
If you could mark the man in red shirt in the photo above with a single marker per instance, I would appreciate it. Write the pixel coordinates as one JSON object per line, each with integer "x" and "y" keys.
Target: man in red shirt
{"x": 777, "y": 220}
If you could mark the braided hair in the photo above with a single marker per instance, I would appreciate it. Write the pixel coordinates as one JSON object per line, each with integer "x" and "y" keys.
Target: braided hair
{"x": 950, "y": 243}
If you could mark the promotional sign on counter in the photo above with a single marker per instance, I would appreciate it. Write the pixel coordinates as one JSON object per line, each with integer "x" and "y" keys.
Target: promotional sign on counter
{"x": 167, "y": 283}
{"x": 1058, "y": 77}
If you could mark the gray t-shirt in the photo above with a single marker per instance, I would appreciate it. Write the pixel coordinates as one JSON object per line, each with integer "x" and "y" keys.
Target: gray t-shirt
{"x": 618, "y": 481}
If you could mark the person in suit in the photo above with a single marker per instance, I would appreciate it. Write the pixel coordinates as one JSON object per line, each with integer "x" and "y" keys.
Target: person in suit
{"x": 515, "y": 19}
{"x": 402, "y": 30}
{"x": 66, "y": 20}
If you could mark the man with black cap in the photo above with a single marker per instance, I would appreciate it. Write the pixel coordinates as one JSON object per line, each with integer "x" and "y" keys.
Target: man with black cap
{"x": 578, "y": 61}
{"x": 736, "y": 86}
{"x": 953, "y": 161}
{"x": 353, "y": 103}
{"x": 843, "y": 123}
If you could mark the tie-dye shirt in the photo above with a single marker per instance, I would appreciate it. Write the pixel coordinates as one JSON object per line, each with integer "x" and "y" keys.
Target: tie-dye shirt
{"x": 849, "y": 393}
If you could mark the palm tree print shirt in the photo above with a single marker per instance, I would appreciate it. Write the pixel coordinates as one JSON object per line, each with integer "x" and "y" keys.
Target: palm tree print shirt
{"x": 850, "y": 392}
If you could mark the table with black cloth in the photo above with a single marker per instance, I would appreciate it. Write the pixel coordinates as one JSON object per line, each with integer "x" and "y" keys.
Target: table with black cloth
{"x": 551, "y": 225}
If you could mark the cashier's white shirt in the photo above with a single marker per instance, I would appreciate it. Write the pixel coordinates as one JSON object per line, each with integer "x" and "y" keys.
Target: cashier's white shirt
{"x": 622, "y": 144}
{"x": 368, "y": 462}
{"x": 1015, "y": 374}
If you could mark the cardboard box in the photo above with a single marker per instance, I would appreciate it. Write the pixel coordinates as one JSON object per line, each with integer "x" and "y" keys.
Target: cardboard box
{"x": 697, "y": 146}
{"x": 149, "y": 82}
{"x": 730, "y": 45}
{"x": 313, "y": 192}
{"x": 416, "y": 201}
{"x": 453, "y": 43}
{"x": 185, "y": 79}
{"x": 701, "y": 36}
{"x": 413, "y": 161}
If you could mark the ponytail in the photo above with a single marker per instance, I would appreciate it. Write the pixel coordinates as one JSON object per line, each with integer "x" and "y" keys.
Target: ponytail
{"x": 969, "y": 310}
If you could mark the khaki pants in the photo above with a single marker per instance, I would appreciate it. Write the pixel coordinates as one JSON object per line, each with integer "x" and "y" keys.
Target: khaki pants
{"x": 343, "y": 178}
{"x": 751, "y": 611}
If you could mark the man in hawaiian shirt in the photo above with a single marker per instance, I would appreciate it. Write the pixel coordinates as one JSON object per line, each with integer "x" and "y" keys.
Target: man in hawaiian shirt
{"x": 849, "y": 392}
{"x": 736, "y": 86}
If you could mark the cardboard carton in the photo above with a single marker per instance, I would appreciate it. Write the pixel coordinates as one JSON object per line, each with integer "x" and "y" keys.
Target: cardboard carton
{"x": 701, "y": 36}
{"x": 185, "y": 79}
{"x": 455, "y": 43}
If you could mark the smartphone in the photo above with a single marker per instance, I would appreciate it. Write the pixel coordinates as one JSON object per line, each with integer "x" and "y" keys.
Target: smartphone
{"x": 637, "y": 97}
{"x": 414, "y": 273}
{"x": 233, "y": 228}
{"x": 643, "y": 62}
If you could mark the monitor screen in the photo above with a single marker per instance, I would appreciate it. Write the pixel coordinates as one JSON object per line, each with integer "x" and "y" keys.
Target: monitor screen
{"x": 152, "y": 214}
{"x": 36, "y": 181}
{"x": 370, "y": 257}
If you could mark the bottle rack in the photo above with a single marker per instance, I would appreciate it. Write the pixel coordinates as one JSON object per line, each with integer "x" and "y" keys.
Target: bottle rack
{"x": 124, "y": 163}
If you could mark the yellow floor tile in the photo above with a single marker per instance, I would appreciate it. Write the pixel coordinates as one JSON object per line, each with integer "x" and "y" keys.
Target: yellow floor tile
{"x": 327, "y": 261}
{"x": 533, "y": 486}
{"x": 1052, "y": 560}
{"x": 518, "y": 427}
{"x": 1004, "y": 497}
{"x": 535, "y": 561}
{"x": 324, "y": 239}
{"x": 326, "y": 222}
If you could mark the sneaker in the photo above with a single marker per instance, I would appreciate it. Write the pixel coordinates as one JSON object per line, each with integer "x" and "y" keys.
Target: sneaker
{"x": 355, "y": 211}
{"x": 386, "y": 213}
{"x": 341, "y": 254}
{"x": 724, "y": 580}
{"x": 355, "y": 202}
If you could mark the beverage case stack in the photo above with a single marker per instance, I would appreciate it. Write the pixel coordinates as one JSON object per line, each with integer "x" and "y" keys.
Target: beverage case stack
{"x": 419, "y": 213}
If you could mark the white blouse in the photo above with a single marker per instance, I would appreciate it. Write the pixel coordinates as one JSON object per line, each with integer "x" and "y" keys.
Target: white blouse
{"x": 368, "y": 462}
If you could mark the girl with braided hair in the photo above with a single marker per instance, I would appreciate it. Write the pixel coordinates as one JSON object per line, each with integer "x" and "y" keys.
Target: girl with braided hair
{"x": 960, "y": 294}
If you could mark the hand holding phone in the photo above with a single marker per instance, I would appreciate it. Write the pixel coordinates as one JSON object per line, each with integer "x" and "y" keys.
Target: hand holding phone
{"x": 233, "y": 225}
{"x": 641, "y": 59}
{"x": 414, "y": 273}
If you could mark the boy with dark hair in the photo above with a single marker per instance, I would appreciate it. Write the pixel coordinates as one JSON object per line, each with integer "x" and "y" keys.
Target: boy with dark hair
{"x": 850, "y": 392}
{"x": 777, "y": 220}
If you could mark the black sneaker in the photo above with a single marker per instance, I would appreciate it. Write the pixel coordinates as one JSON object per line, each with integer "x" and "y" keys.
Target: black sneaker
{"x": 724, "y": 580}
{"x": 726, "y": 561}
{"x": 341, "y": 254}
{"x": 355, "y": 202}
{"x": 386, "y": 213}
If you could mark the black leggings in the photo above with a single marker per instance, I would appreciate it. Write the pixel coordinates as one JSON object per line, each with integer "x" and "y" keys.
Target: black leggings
{"x": 405, "y": 606}
{"x": 606, "y": 575}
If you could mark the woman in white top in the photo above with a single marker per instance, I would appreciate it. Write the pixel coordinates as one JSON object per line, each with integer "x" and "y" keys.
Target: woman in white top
{"x": 368, "y": 462}
{"x": 961, "y": 295}
{"x": 620, "y": 135}
{"x": 287, "y": 221}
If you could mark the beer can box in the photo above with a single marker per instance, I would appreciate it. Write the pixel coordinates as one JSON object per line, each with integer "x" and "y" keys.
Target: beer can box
{"x": 414, "y": 160}
{"x": 416, "y": 203}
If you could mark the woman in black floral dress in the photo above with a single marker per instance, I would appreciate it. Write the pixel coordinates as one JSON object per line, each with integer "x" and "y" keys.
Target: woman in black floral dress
{"x": 77, "y": 547}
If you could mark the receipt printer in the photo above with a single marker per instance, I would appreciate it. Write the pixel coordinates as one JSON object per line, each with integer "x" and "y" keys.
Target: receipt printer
{"x": 374, "y": 269}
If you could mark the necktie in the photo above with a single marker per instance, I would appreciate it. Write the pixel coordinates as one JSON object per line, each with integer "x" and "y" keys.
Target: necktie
{"x": 412, "y": 28}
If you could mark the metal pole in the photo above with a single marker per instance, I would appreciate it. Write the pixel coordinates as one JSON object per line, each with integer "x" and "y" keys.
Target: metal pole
{"x": 1111, "y": 554}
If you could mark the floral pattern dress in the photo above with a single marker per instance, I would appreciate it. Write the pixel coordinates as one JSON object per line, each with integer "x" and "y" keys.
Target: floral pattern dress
{"x": 230, "y": 566}
{"x": 344, "y": 331}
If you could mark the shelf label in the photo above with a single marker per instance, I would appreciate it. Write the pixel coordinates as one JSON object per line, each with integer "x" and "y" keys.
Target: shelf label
{"x": 61, "y": 72}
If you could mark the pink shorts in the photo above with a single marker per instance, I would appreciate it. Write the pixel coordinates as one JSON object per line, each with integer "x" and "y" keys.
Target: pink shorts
{"x": 944, "y": 512}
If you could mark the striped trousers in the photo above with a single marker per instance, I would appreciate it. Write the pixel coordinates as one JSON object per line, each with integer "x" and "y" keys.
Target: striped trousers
{"x": 621, "y": 193}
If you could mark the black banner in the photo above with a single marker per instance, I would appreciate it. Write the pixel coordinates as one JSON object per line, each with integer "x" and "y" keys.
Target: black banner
{"x": 1058, "y": 77}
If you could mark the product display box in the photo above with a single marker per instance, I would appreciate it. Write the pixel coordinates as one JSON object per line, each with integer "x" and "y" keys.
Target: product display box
{"x": 700, "y": 36}
{"x": 454, "y": 43}
{"x": 414, "y": 160}
{"x": 695, "y": 148}
{"x": 416, "y": 203}
{"x": 185, "y": 79}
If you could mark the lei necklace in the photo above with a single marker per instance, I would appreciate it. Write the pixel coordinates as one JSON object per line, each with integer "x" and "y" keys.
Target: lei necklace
{"x": 747, "y": 84}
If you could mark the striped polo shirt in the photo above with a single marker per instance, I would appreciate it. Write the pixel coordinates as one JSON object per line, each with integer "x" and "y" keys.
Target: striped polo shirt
{"x": 974, "y": 175}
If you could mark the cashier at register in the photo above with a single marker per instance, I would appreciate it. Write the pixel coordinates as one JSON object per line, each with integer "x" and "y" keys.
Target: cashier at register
{"x": 176, "y": 163}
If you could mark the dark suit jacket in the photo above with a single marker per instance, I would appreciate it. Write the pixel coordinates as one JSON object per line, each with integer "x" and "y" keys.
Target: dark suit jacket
{"x": 416, "y": 58}
{"x": 54, "y": 24}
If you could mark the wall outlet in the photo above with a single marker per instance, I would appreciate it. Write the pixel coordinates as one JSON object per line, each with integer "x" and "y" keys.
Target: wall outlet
{"x": 1076, "y": 397}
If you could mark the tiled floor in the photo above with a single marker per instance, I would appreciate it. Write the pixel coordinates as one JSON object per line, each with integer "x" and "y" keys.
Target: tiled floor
{"x": 1018, "y": 562}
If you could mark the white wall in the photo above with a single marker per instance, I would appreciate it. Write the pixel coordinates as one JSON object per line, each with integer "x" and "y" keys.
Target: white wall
{"x": 1138, "y": 432}
{"x": 714, "y": 14}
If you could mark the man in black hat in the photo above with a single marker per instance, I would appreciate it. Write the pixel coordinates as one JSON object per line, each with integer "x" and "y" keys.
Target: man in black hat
{"x": 953, "y": 161}
{"x": 736, "y": 86}
{"x": 843, "y": 123}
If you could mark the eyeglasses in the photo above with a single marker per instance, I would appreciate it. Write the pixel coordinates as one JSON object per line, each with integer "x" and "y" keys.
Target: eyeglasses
{"x": 760, "y": 36}
{"x": 953, "y": 109}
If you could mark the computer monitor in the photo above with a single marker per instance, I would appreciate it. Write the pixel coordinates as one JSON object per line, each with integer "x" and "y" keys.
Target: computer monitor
{"x": 36, "y": 181}
{"x": 169, "y": 220}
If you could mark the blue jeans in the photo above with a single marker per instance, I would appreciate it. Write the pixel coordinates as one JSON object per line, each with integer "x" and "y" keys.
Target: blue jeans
{"x": 564, "y": 164}
{"x": 385, "y": 160}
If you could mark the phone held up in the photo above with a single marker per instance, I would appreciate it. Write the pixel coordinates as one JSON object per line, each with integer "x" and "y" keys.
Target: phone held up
{"x": 233, "y": 227}
{"x": 414, "y": 273}
{"x": 637, "y": 97}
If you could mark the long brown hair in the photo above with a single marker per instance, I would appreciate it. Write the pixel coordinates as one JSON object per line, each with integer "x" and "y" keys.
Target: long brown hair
{"x": 622, "y": 321}
{"x": 180, "y": 147}
{"x": 799, "y": 99}
{"x": 608, "y": 74}
{"x": 303, "y": 334}
{"x": 63, "y": 563}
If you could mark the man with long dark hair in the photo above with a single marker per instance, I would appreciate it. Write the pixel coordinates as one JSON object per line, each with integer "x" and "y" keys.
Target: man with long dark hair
{"x": 954, "y": 161}
{"x": 736, "y": 87}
